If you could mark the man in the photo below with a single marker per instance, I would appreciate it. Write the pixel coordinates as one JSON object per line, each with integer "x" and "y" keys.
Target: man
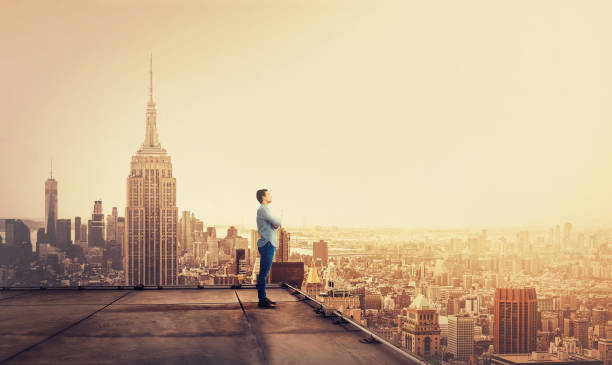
{"x": 266, "y": 245}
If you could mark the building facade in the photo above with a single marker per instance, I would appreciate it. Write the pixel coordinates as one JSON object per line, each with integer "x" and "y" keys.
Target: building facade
{"x": 515, "y": 324}
{"x": 461, "y": 336}
{"x": 420, "y": 332}
{"x": 151, "y": 214}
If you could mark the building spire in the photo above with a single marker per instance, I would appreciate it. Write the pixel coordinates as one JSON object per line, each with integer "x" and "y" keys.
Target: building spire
{"x": 151, "y": 141}
{"x": 151, "y": 79}
{"x": 51, "y": 169}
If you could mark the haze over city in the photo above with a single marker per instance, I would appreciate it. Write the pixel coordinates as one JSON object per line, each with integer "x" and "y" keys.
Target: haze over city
{"x": 433, "y": 114}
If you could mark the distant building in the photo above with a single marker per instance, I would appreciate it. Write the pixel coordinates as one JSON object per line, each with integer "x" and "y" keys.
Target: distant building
{"x": 240, "y": 261}
{"x": 581, "y": 332}
{"x": 254, "y": 250}
{"x": 461, "y": 336}
{"x": 604, "y": 346}
{"x": 96, "y": 226}
{"x": 282, "y": 251}
{"x": 77, "y": 229}
{"x": 111, "y": 225}
{"x": 420, "y": 332}
{"x": 231, "y": 232}
{"x": 542, "y": 358}
{"x": 319, "y": 251}
{"x": 515, "y": 325}
{"x": 83, "y": 233}
{"x": 312, "y": 286}
{"x": 50, "y": 200}
{"x": 185, "y": 231}
{"x": 16, "y": 232}
{"x": 63, "y": 234}
{"x": 51, "y": 236}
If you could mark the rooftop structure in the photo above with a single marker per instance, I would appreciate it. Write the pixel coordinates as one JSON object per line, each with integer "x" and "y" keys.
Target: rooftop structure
{"x": 220, "y": 325}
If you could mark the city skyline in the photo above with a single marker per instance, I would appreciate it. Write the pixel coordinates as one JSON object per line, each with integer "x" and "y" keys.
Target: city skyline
{"x": 421, "y": 144}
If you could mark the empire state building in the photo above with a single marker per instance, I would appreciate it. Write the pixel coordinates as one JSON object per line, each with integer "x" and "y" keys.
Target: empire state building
{"x": 151, "y": 215}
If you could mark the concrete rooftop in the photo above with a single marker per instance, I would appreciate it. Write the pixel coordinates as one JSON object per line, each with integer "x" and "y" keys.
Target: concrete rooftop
{"x": 186, "y": 326}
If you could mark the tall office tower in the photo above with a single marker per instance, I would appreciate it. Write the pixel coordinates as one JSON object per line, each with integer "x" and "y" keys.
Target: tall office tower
{"x": 461, "y": 336}
{"x": 16, "y": 232}
{"x": 51, "y": 222}
{"x": 240, "y": 263}
{"x": 254, "y": 251}
{"x": 63, "y": 234}
{"x": 319, "y": 251}
{"x": 84, "y": 233}
{"x": 515, "y": 325}
{"x": 121, "y": 234}
{"x": 77, "y": 229}
{"x": 111, "y": 225}
{"x": 581, "y": 331}
{"x": 567, "y": 235}
{"x": 151, "y": 213}
{"x": 282, "y": 252}
{"x": 50, "y": 200}
{"x": 420, "y": 333}
{"x": 212, "y": 245}
{"x": 95, "y": 226}
{"x": 185, "y": 232}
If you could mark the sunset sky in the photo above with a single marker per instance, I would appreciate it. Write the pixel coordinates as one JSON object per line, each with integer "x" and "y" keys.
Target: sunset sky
{"x": 398, "y": 113}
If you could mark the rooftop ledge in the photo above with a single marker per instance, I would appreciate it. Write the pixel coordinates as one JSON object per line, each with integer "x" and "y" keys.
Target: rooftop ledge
{"x": 205, "y": 325}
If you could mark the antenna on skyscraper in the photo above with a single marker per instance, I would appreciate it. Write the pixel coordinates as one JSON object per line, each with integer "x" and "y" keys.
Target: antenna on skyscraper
{"x": 51, "y": 168}
{"x": 151, "y": 78}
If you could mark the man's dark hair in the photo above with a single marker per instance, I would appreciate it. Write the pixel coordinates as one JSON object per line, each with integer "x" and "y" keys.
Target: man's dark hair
{"x": 260, "y": 194}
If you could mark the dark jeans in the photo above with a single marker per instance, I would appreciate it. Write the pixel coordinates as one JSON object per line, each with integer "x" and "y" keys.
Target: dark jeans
{"x": 266, "y": 253}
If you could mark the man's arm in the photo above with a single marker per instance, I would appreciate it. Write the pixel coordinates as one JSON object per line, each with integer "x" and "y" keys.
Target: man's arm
{"x": 275, "y": 222}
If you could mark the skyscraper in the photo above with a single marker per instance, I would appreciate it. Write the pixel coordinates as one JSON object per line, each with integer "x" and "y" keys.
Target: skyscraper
{"x": 16, "y": 232}
{"x": 282, "y": 253}
{"x": 77, "y": 229}
{"x": 95, "y": 226}
{"x": 63, "y": 234}
{"x": 254, "y": 250}
{"x": 83, "y": 233}
{"x": 185, "y": 232}
{"x": 319, "y": 251}
{"x": 151, "y": 214}
{"x": 461, "y": 336}
{"x": 111, "y": 225}
{"x": 50, "y": 200}
{"x": 515, "y": 323}
{"x": 51, "y": 221}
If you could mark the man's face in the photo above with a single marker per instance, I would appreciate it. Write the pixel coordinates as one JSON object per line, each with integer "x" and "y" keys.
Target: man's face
{"x": 268, "y": 196}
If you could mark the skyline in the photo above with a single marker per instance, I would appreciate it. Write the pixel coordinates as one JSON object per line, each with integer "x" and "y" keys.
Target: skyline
{"x": 421, "y": 127}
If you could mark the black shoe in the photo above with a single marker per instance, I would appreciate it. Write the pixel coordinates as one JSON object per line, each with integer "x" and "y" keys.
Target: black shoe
{"x": 269, "y": 301}
{"x": 265, "y": 304}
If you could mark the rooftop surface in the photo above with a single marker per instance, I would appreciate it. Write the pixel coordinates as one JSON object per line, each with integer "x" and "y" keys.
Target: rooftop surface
{"x": 186, "y": 326}
{"x": 526, "y": 358}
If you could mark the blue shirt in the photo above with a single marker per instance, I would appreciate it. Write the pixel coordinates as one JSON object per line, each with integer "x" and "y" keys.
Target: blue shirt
{"x": 265, "y": 220}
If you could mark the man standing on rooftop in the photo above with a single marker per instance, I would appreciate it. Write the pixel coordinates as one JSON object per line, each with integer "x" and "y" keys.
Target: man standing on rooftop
{"x": 266, "y": 245}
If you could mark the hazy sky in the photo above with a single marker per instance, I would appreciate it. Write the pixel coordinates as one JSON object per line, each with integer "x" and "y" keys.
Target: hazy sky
{"x": 405, "y": 113}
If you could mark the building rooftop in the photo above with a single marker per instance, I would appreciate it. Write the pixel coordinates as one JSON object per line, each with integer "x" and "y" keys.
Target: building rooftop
{"x": 187, "y": 326}
{"x": 528, "y": 358}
